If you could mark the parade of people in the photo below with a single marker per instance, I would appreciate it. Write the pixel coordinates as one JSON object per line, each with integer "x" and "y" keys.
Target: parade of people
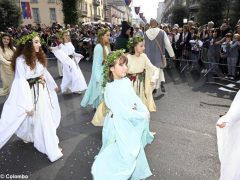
{"x": 119, "y": 90}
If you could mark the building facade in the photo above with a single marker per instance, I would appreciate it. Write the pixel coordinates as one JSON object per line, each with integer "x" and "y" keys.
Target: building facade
{"x": 91, "y": 10}
{"x": 167, "y": 14}
{"x": 44, "y": 12}
{"x": 160, "y": 11}
{"x": 193, "y": 8}
{"x": 116, "y": 11}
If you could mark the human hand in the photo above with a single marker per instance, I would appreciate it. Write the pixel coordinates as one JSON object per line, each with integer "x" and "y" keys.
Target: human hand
{"x": 30, "y": 113}
{"x": 56, "y": 89}
{"x": 7, "y": 63}
{"x": 222, "y": 125}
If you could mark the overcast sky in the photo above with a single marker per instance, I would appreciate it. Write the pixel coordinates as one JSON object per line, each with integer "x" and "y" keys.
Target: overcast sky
{"x": 147, "y": 7}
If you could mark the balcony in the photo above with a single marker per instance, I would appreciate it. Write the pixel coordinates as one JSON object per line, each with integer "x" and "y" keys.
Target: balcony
{"x": 97, "y": 17}
{"x": 106, "y": 7}
{"x": 83, "y": 13}
{"x": 96, "y": 2}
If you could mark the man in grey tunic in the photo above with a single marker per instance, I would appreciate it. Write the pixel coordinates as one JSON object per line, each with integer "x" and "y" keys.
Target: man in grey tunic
{"x": 155, "y": 38}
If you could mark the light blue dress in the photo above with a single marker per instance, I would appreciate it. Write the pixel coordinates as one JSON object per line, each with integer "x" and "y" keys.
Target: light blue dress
{"x": 93, "y": 95}
{"x": 124, "y": 136}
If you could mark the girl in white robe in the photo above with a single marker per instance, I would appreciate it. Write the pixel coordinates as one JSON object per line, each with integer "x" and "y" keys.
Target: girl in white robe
{"x": 228, "y": 138}
{"x": 32, "y": 110}
{"x": 73, "y": 79}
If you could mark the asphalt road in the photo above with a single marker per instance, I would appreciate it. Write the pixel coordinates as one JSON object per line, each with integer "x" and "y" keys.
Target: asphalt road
{"x": 184, "y": 147}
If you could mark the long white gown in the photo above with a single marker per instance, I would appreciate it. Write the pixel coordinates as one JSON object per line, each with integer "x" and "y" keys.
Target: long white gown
{"x": 228, "y": 139}
{"x": 73, "y": 78}
{"x": 41, "y": 127}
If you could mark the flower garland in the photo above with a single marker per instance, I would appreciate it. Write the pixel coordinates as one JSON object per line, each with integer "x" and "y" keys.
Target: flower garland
{"x": 101, "y": 33}
{"x": 134, "y": 41}
{"x": 27, "y": 38}
{"x": 110, "y": 60}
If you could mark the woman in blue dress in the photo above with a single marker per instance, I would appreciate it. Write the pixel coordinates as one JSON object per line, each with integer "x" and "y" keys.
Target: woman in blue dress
{"x": 126, "y": 127}
{"x": 93, "y": 94}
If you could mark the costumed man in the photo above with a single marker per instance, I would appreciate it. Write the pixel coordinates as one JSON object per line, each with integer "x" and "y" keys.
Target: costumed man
{"x": 156, "y": 41}
{"x": 122, "y": 39}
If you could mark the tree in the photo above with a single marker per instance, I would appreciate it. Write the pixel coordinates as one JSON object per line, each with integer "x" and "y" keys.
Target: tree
{"x": 69, "y": 8}
{"x": 10, "y": 14}
{"x": 178, "y": 14}
{"x": 235, "y": 11}
{"x": 211, "y": 11}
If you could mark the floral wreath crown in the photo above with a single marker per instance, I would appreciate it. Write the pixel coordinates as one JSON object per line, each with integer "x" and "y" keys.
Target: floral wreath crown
{"x": 27, "y": 38}
{"x": 133, "y": 41}
{"x": 110, "y": 60}
{"x": 101, "y": 33}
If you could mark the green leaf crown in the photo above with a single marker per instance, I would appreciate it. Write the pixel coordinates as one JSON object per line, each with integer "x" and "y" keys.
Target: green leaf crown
{"x": 27, "y": 38}
{"x": 110, "y": 60}
{"x": 134, "y": 41}
{"x": 101, "y": 33}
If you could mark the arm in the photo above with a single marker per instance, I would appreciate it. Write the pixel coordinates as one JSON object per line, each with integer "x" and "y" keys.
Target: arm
{"x": 235, "y": 44}
{"x": 116, "y": 103}
{"x": 233, "y": 114}
{"x": 97, "y": 62}
{"x": 2, "y": 59}
{"x": 50, "y": 81}
{"x": 168, "y": 46}
{"x": 154, "y": 71}
{"x": 24, "y": 98}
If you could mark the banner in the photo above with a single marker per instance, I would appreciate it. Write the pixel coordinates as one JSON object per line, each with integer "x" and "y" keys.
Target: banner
{"x": 137, "y": 10}
{"x": 128, "y": 2}
{"x": 141, "y": 15}
{"x": 26, "y": 10}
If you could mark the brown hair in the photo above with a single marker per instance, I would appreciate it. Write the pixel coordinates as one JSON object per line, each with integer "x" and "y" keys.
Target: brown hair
{"x": 122, "y": 60}
{"x": 28, "y": 51}
{"x": 101, "y": 33}
{"x": 10, "y": 45}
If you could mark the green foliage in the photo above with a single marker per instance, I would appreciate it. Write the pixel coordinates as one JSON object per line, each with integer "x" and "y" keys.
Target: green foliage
{"x": 27, "y": 38}
{"x": 178, "y": 14}
{"x": 134, "y": 41}
{"x": 235, "y": 11}
{"x": 110, "y": 60}
{"x": 10, "y": 14}
{"x": 71, "y": 14}
{"x": 211, "y": 11}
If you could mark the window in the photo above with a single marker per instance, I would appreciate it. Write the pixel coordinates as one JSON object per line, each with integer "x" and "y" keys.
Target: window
{"x": 53, "y": 14}
{"x": 91, "y": 10}
{"x": 34, "y": 1}
{"x": 36, "y": 16}
{"x": 51, "y": 1}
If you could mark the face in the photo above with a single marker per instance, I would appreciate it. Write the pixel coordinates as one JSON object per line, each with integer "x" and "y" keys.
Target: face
{"x": 66, "y": 37}
{"x": 215, "y": 34}
{"x": 119, "y": 70}
{"x": 128, "y": 31}
{"x": 5, "y": 40}
{"x": 139, "y": 48}
{"x": 36, "y": 43}
{"x": 106, "y": 37}
{"x": 224, "y": 27}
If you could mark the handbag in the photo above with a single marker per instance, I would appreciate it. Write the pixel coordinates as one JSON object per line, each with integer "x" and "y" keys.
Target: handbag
{"x": 163, "y": 63}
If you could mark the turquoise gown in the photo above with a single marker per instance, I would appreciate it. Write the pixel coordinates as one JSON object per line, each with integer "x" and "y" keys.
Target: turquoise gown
{"x": 125, "y": 134}
{"x": 93, "y": 95}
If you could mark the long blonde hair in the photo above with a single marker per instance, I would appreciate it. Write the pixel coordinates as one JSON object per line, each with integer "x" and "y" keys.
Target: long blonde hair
{"x": 101, "y": 33}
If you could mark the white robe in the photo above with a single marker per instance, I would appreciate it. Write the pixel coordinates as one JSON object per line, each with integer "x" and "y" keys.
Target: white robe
{"x": 41, "y": 127}
{"x": 228, "y": 139}
{"x": 73, "y": 78}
